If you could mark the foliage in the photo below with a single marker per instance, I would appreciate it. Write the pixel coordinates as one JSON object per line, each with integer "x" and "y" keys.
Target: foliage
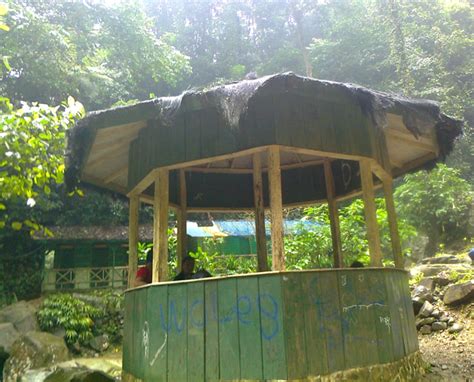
{"x": 97, "y": 53}
{"x": 436, "y": 203}
{"x": 222, "y": 265}
{"x": 32, "y": 153}
{"x": 110, "y": 320}
{"x": 416, "y": 279}
{"x": 312, "y": 248}
{"x": 75, "y": 316}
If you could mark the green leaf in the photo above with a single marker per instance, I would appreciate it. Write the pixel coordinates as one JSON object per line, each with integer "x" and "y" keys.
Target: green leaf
{"x": 17, "y": 226}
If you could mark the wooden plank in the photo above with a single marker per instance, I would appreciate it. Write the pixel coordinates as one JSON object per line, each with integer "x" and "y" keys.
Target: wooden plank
{"x": 399, "y": 303}
{"x": 360, "y": 337}
{"x": 423, "y": 143}
{"x": 139, "y": 329}
{"x": 392, "y": 222}
{"x": 129, "y": 308}
{"x": 333, "y": 215}
{"x": 160, "y": 226}
{"x": 196, "y": 325}
{"x": 273, "y": 336}
{"x": 177, "y": 332}
{"x": 159, "y": 327}
{"x": 411, "y": 326}
{"x": 276, "y": 208}
{"x": 370, "y": 211}
{"x": 211, "y": 332}
{"x": 395, "y": 319}
{"x": 315, "y": 333}
{"x": 375, "y": 289}
{"x": 250, "y": 336}
{"x": 294, "y": 326}
{"x": 260, "y": 235}
{"x": 134, "y": 205}
{"x": 182, "y": 248}
{"x": 229, "y": 354}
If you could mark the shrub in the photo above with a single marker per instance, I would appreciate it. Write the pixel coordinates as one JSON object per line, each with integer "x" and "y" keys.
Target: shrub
{"x": 75, "y": 316}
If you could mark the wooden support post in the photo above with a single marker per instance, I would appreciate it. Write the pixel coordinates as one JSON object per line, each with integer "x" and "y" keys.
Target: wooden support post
{"x": 392, "y": 223}
{"x": 160, "y": 226}
{"x": 276, "y": 208}
{"x": 333, "y": 215}
{"x": 182, "y": 247}
{"x": 260, "y": 236}
{"x": 370, "y": 210}
{"x": 134, "y": 205}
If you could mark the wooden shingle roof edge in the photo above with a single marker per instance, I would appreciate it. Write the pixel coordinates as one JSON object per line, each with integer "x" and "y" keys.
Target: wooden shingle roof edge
{"x": 231, "y": 101}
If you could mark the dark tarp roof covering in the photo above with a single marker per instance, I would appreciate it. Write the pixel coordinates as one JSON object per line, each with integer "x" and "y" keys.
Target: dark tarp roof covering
{"x": 232, "y": 108}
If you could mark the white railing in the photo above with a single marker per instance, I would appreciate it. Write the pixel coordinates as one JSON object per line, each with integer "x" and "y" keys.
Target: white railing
{"x": 85, "y": 278}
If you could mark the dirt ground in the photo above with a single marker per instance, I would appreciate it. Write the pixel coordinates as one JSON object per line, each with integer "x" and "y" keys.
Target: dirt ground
{"x": 451, "y": 356}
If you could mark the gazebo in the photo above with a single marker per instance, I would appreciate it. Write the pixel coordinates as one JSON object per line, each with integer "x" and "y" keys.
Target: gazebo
{"x": 266, "y": 144}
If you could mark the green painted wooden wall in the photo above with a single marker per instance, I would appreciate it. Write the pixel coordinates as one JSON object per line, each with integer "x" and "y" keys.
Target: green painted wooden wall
{"x": 286, "y": 325}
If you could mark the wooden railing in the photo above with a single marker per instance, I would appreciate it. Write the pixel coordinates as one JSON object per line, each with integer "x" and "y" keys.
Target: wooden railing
{"x": 85, "y": 278}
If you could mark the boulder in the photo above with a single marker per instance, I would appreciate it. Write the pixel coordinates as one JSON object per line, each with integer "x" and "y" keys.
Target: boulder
{"x": 424, "y": 321}
{"x": 34, "y": 350}
{"x": 66, "y": 374}
{"x": 417, "y": 304}
{"x": 8, "y": 335}
{"x": 100, "y": 343}
{"x": 441, "y": 279}
{"x": 426, "y": 309}
{"x": 447, "y": 259}
{"x": 429, "y": 270}
{"x": 459, "y": 293}
{"x": 456, "y": 328}
{"x": 22, "y": 315}
{"x": 437, "y": 326}
{"x": 436, "y": 313}
{"x": 428, "y": 283}
{"x": 425, "y": 329}
{"x": 423, "y": 293}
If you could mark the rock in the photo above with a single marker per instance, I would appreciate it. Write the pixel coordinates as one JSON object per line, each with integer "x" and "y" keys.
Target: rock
{"x": 456, "y": 328}
{"x": 100, "y": 343}
{"x": 428, "y": 283}
{"x": 456, "y": 294}
{"x": 8, "y": 335}
{"x": 441, "y": 279}
{"x": 436, "y": 313}
{"x": 70, "y": 374}
{"x": 451, "y": 321}
{"x": 22, "y": 315}
{"x": 437, "y": 326}
{"x": 444, "y": 367}
{"x": 423, "y": 293}
{"x": 429, "y": 270}
{"x": 417, "y": 304}
{"x": 59, "y": 332}
{"x": 34, "y": 350}
{"x": 425, "y": 329}
{"x": 447, "y": 259}
{"x": 424, "y": 321}
{"x": 444, "y": 318}
{"x": 426, "y": 309}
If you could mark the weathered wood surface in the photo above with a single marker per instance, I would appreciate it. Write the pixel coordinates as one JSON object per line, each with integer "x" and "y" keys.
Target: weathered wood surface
{"x": 259, "y": 211}
{"x": 134, "y": 205}
{"x": 392, "y": 223}
{"x": 276, "y": 208}
{"x": 267, "y": 326}
{"x": 160, "y": 226}
{"x": 182, "y": 245}
{"x": 370, "y": 211}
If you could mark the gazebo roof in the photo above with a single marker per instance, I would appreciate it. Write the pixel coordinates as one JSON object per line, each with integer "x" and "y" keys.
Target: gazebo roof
{"x": 215, "y": 132}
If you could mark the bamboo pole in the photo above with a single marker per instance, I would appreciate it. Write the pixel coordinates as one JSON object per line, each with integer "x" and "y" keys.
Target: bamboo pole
{"x": 160, "y": 226}
{"x": 181, "y": 250}
{"x": 392, "y": 222}
{"x": 260, "y": 236}
{"x": 134, "y": 205}
{"x": 333, "y": 215}
{"x": 276, "y": 208}
{"x": 370, "y": 213}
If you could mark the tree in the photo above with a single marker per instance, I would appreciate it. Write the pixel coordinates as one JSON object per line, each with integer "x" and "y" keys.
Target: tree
{"x": 32, "y": 152}
{"x": 98, "y": 54}
{"x": 436, "y": 203}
